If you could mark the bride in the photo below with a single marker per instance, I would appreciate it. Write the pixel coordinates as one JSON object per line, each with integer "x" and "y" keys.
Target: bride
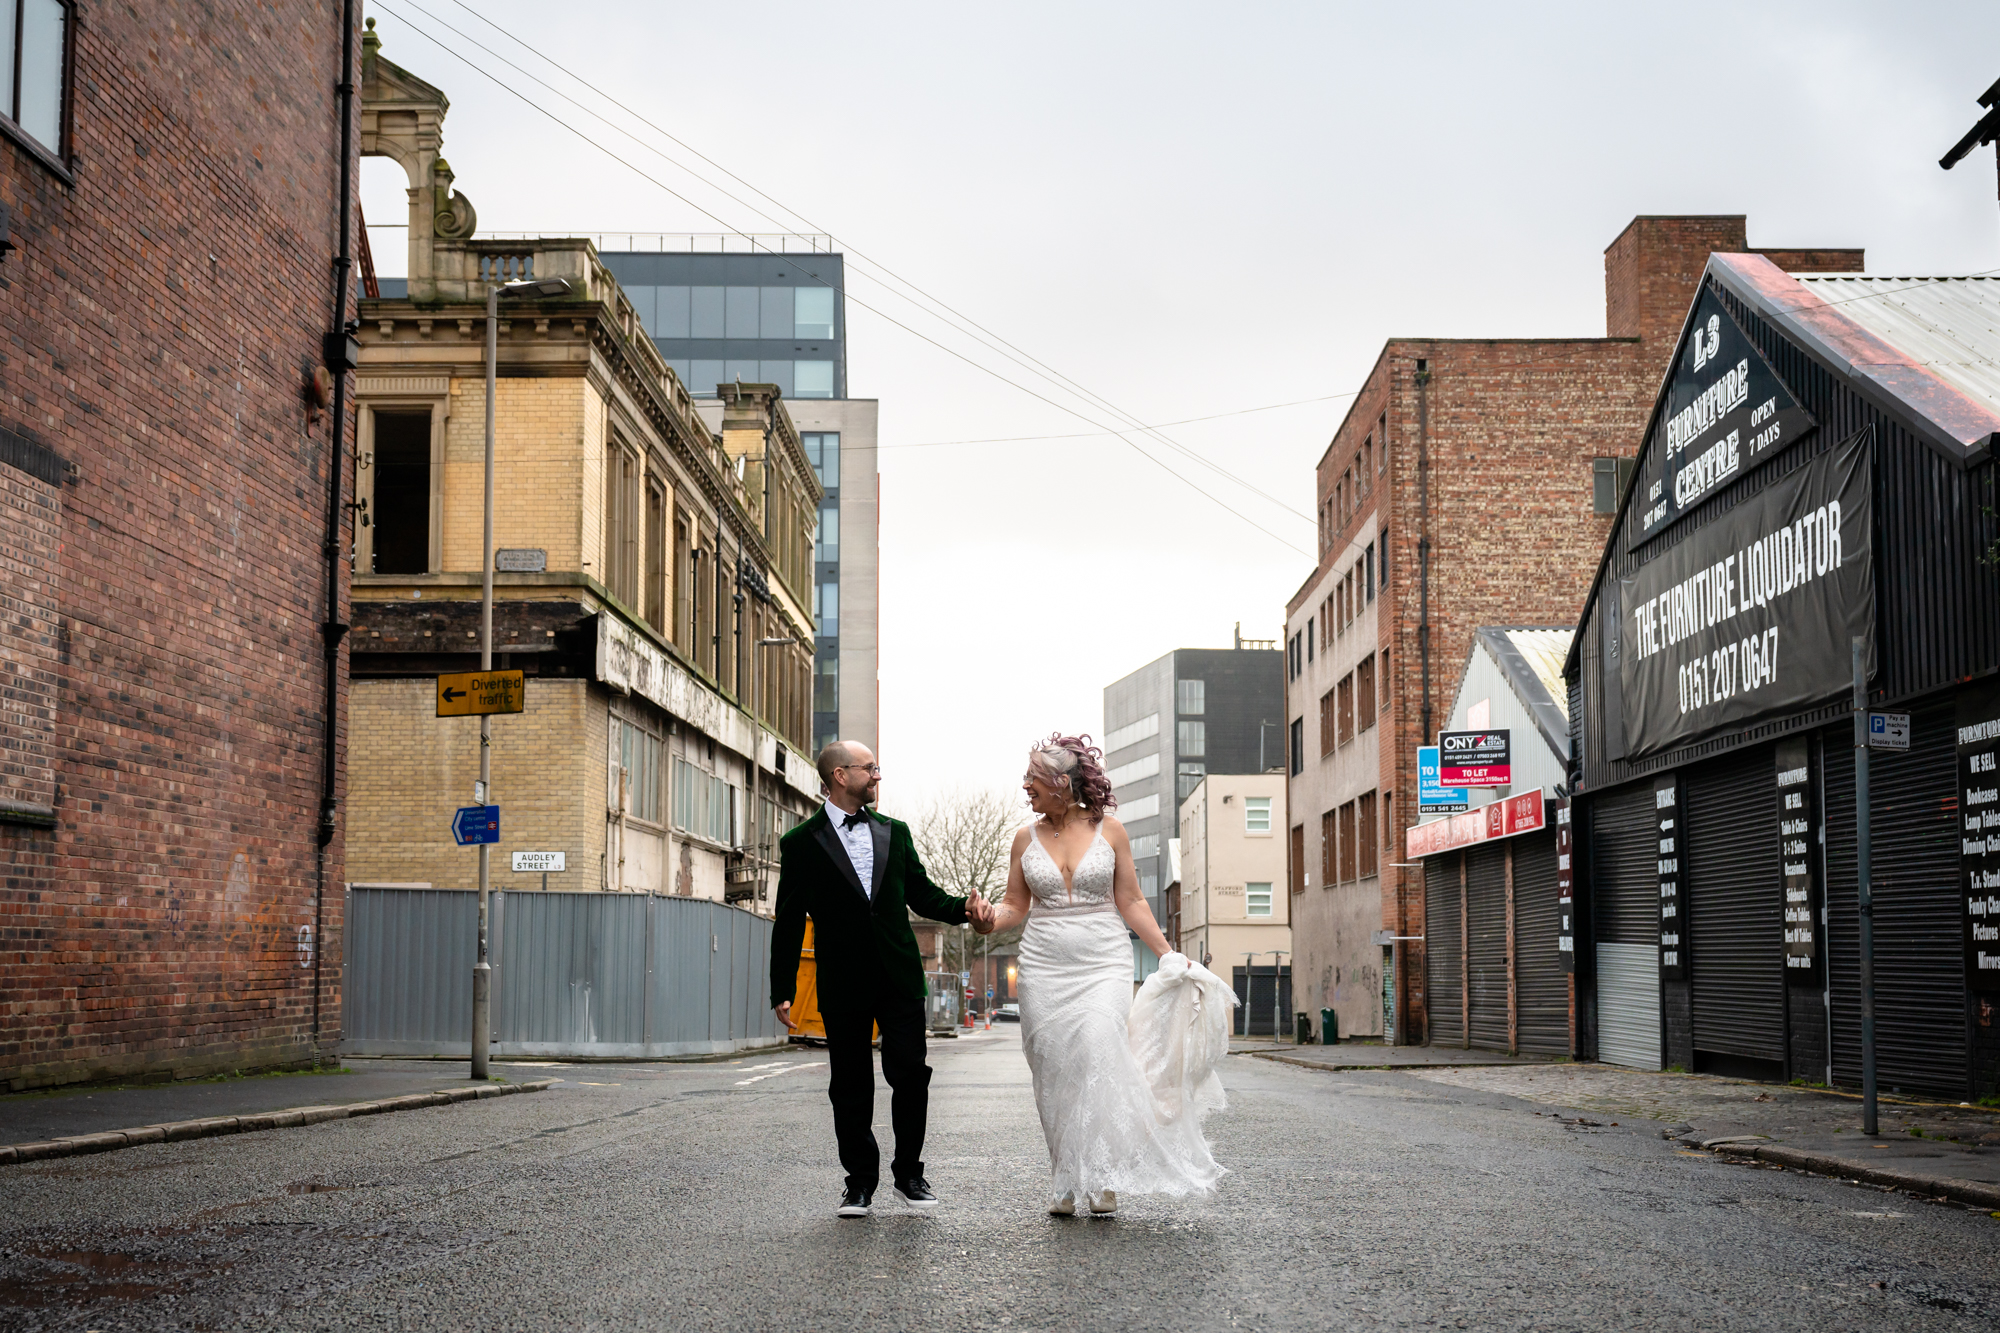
{"x": 1121, "y": 1084}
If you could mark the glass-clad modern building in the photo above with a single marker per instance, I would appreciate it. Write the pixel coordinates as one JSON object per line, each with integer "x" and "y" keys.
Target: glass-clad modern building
{"x": 1176, "y": 720}
{"x": 772, "y": 318}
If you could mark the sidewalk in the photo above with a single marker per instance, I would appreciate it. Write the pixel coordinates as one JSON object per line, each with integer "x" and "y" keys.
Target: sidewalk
{"x": 1934, "y": 1148}
{"x": 1374, "y": 1055}
{"x": 67, "y": 1113}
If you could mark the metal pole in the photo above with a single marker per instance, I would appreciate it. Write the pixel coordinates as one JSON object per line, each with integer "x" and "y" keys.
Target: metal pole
{"x": 1864, "y": 892}
{"x": 482, "y": 971}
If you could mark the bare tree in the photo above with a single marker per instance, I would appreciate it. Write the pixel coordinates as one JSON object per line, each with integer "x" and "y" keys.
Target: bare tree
{"x": 963, "y": 838}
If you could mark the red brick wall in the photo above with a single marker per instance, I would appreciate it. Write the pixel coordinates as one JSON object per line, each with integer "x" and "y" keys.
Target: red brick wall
{"x": 157, "y": 324}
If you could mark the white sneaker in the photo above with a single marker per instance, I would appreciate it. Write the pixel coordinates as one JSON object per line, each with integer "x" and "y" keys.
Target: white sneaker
{"x": 1106, "y": 1202}
{"x": 1065, "y": 1206}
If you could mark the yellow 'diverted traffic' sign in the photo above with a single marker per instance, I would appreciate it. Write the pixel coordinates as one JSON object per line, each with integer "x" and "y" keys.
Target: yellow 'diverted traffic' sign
{"x": 473, "y": 693}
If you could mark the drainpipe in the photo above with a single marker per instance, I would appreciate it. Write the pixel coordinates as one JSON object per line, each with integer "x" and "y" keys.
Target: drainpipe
{"x": 1424, "y": 538}
{"x": 1400, "y": 958}
{"x": 339, "y": 354}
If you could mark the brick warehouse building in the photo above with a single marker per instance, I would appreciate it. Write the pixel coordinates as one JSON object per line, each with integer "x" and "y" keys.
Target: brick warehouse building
{"x": 170, "y": 198}
{"x": 1472, "y": 483}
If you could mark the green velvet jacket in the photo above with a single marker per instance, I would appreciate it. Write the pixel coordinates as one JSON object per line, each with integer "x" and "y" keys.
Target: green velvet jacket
{"x": 860, "y": 940}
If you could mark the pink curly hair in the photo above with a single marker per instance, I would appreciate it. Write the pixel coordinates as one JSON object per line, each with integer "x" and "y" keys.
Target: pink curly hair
{"x": 1072, "y": 762}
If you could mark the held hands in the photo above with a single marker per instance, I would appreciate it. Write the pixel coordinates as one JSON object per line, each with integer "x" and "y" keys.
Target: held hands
{"x": 980, "y": 914}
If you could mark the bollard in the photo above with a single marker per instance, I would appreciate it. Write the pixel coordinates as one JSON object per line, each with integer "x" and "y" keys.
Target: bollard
{"x": 1329, "y": 1028}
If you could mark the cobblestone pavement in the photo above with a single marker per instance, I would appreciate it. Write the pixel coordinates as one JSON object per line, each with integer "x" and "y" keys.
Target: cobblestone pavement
{"x": 701, "y": 1197}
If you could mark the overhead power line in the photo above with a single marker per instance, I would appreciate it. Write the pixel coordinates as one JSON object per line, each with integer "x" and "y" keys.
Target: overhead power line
{"x": 1123, "y": 434}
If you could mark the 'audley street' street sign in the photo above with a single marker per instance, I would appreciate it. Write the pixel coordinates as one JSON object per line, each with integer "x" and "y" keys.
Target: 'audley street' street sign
{"x": 476, "y": 824}
{"x": 473, "y": 693}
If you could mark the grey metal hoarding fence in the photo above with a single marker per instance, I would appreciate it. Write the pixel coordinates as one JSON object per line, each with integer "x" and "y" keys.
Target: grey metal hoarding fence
{"x": 574, "y": 975}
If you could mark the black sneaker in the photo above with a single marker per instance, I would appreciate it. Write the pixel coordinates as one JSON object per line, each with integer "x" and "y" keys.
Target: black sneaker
{"x": 854, "y": 1203}
{"x": 916, "y": 1192}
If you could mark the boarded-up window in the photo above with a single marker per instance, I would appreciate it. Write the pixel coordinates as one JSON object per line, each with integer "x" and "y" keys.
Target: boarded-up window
{"x": 1344, "y": 708}
{"x": 1367, "y": 833}
{"x": 1326, "y": 726}
{"x": 1329, "y": 844}
{"x": 1347, "y": 843}
{"x": 1298, "y": 858}
{"x": 1364, "y": 692}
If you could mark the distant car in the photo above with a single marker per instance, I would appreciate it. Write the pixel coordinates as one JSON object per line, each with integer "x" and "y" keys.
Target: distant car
{"x": 1007, "y": 1013}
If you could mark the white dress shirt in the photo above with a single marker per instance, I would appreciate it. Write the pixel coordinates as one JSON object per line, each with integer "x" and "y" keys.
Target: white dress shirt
{"x": 860, "y": 844}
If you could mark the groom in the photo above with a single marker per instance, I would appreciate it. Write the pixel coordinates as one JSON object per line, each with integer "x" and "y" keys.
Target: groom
{"x": 856, "y": 874}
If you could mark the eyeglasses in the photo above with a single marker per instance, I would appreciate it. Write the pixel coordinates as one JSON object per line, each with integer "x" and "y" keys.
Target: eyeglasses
{"x": 874, "y": 770}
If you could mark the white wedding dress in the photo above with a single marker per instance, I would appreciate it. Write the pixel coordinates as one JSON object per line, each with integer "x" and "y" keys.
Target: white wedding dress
{"x": 1122, "y": 1083}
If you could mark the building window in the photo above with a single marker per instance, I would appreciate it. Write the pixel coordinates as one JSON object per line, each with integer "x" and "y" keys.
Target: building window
{"x": 705, "y": 313}
{"x": 1298, "y": 746}
{"x": 704, "y": 376}
{"x": 1257, "y": 899}
{"x": 1344, "y": 708}
{"x": 1326, "y": 728}
{"x": 1189, "y": 777}
{"x": 1368, "y": 564}
{"x": 1365, "y": 818}
{"x": 1295, "y": 865}
{"x": 34, "y": 71}
{"x": 1191, "y": 697}
{"x": 1382, "y": 575}
{"x": 656, "y": 556}
{"x": 1347, "y": 843}
{"x": 621, "y": 524}
{"x": 1146, "y": 845}
{"x": 812, "y": 379}
{"x": 683, "y": 583}
{"x": 704, "y": 805}
{"x": 827, "y": 612}
{"x": 1364, "y": 692}
{"x": 823, "y": 452}
{"x": 1608, "y": 477}
{"x": 826, "y": 546}
{"x": 1329, "y": 843}
{"x": 1309, "y": 638}
{"x": 635, "y": 777}
{"x": 812, "y": 312}
{"x": 1132, "y": 733}
{"x": 1191, "y": 739}
{"x": 1256, "y": 814}
{"x": 400, "y": 515}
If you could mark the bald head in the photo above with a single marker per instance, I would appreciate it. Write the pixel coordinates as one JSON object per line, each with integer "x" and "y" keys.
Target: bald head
{"x": 847, "y": 772}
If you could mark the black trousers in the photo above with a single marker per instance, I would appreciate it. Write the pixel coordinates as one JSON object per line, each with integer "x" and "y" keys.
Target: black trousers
{"x": 852, "y": 1086}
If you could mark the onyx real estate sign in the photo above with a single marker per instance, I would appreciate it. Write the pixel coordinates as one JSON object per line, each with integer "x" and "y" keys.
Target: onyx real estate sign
{"x": 1751, "y": 614}
{"x": 1726, "y": 413}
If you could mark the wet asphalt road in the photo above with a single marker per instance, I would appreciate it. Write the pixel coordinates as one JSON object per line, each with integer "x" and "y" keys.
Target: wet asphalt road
{"x": 701, "y": 1196}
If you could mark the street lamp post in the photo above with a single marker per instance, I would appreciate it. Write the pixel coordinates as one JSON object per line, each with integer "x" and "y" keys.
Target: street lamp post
{"x": 757, "y": 858}
{"x": 482, "y": 972}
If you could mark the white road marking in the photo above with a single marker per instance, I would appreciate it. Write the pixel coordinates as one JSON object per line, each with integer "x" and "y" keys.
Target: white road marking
{"x": 813, "y": 1064}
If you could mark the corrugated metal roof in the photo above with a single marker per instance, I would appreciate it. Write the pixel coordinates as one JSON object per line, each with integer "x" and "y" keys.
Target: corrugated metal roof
{"x": 1950, "y": 326}
{"x": 1544, "y": 650}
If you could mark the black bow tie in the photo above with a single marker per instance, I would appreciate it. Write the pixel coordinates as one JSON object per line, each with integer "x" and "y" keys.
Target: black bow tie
{"x": 849, "y": 821}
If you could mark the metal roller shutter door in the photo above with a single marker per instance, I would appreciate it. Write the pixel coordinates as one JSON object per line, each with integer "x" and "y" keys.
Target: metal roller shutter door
{"x": 1442, "y": 993}
{"x": 1625, "y": 894}
{"x": 1540, "y": 984}
{"x": 1486, "y": 913}
{"x": 1735, "y": 906}
{"x": 1919, "y": 963}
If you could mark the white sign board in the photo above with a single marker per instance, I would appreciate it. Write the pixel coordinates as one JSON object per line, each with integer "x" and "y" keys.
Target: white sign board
{"x": 531, "y": 862}
{"x": 1888, "y": 731}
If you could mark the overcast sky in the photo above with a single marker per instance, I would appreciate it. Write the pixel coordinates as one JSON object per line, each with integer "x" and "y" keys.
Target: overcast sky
{"x": 1190, "y": 210}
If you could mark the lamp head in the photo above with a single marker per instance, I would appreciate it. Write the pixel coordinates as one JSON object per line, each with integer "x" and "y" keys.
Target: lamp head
{"x": 530, "y": 288}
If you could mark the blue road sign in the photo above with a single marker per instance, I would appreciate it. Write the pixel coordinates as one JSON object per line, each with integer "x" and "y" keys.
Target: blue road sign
{"x": 1431, "y": 798}
{"x": 476, "y": 824}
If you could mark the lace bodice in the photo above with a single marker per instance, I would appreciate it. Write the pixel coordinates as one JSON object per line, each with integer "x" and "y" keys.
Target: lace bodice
{"x": 1088, "y": 889}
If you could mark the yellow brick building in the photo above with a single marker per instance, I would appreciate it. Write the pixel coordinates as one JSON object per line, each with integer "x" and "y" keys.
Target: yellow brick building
{"x": 645, "y": 565}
